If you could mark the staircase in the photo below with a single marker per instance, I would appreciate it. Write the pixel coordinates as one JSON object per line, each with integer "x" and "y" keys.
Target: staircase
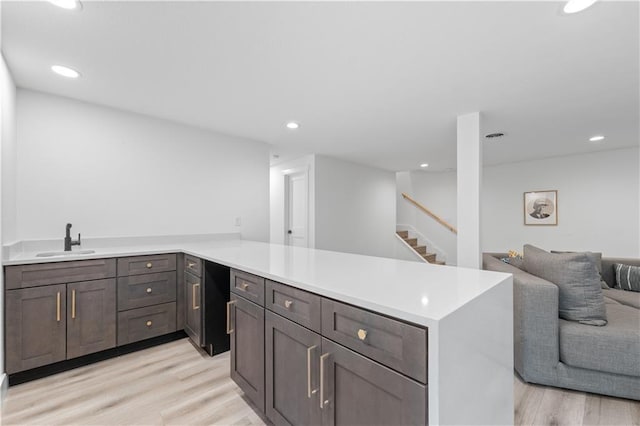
{"x": 421, "y": 250}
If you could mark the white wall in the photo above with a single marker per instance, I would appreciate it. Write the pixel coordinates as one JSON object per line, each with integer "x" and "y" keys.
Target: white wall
{"x": 114, "y": 173}
{"x": 598, "y": 202}
{"x": 437, "y": 192}
{"x": 7, "y": 212}
{"x": 277, "y": 177}
{"x": 355, "y": 208}
{"x": 598, "y": 205}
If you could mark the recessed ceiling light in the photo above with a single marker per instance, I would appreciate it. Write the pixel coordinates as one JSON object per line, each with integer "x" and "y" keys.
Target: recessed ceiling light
{"x": 574, "y": 6}
{"x": 494, "y": 135}
{"x": 596, "y": 138}
{"x": 424, "y": 165}
{"x": 67, "y": 4}
{"x": 65, "y": 71}
{"x": 292, "y": 125}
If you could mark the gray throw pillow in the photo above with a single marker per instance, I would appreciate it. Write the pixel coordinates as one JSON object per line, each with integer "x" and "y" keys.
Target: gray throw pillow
{"x": 627, "y": 277}
{"x": 597, "y": 258}
{"x": 578, "y": 281}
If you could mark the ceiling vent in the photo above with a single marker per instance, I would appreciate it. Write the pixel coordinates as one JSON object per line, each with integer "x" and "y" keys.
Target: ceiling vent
{"x": 494, "y": 135}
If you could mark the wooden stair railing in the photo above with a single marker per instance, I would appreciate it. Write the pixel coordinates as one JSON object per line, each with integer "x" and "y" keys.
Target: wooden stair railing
{"x": 430, "y": 213}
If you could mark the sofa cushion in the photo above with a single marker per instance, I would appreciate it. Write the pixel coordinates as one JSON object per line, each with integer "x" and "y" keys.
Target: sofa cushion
{"x": 578, "y": 281}
{"x": 597, "y": 258}
{"x": 627, "y": 277}
{"x": 614, "y": 348}
{"x": 628, "y": 298}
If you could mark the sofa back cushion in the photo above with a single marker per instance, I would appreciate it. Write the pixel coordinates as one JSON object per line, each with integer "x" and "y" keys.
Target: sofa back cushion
{"x": 578, "y": 281}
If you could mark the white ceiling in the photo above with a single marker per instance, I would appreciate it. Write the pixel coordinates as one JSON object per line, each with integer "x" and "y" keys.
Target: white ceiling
{"x": 375, "y": 83}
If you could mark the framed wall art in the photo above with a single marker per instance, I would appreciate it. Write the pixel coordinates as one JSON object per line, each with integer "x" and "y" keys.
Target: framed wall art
{"x": 541, "y": 208}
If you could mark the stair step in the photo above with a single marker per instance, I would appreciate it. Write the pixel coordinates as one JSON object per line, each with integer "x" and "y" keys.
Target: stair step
{"x": 430, "y": 257}
{"x": 413, "y": 242}
{"x": 403, "y": 234}
{"x": 421, "y": 249}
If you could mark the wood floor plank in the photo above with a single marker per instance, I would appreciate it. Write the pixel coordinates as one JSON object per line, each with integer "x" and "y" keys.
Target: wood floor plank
{"x": 177, "y": 384}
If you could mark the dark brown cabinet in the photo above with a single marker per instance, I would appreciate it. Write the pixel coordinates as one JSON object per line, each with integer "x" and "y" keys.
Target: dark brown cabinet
{"x": 246, "y": 327}
{"x": 91, "y": 317}
{"x": 325, "y": 362}
{"x": 292, "y": 372}
{"x": 56, "y": 322}
{"x": 193, "y": 307}
{"x": 147, "y": 297}
{"x": 36, "y": 327}
{"x": 357, "y": 390}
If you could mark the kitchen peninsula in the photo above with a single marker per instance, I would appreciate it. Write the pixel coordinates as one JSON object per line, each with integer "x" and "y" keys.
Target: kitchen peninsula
{"x": 465, "y": 316}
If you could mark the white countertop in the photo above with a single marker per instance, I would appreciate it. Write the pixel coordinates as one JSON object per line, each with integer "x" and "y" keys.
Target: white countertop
{"x": 417, "y": 292}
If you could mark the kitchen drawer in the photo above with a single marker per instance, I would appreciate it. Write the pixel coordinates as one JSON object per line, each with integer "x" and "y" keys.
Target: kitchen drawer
{"x": 249, "y": 286}
{"x": 144, "y": 323}
{"x": 297, "y": 305}
{"x": 138, "y": 291}
{"x": 397, "y": 345}
{"x": 146, "y": 264}
{"x": 193, "y": 265}
{"x": 23, "y": 276}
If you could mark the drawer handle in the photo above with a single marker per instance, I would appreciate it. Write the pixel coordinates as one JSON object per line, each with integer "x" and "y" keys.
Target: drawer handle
{"x": 288, "y": 303}
{"x": 190, "y": 264}
{"x": 149, "y": 265}
{"x": 244, "y": 286}
{"x": 362, "y": 334}
{"x": 229, "y": 304}
{"x": 73, "y": 304}
{"x": 322, "y": 360}
{"x": 193, "y": 296}
{"x": 149, "y": 290}
{"x": 58, "y": 307}
{"x": 149, "y": 323}
{"x": 309, "y": 390}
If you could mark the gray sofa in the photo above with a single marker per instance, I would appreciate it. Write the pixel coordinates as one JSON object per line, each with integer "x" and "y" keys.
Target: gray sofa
{"x": 567, "y": 354}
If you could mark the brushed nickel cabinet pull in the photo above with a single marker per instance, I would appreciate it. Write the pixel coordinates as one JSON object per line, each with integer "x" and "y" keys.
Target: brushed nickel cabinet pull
{"x": 190, "y": 264}
{"x": 322, "y": 401}
{"x": 58, "y": 307}
{"x": 362, "y": 334}
{"x": 149, "y": 265}
{"x": 149, "y": 290}
{"x": 149, "y": 323}
{"x": 288, "y": 303}
{"x": 229, "y": 304}
{"x": 244, "y": 286}
{"x": 309, "y": 390}
{"x": 193, "y": 296}
{"x": 73, "y": 304}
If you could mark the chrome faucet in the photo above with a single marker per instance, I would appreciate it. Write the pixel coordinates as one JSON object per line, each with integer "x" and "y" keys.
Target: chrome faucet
{"x": 68, "y": 242}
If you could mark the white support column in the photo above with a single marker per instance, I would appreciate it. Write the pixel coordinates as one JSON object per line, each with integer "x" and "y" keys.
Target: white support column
{"x": 469, "y": 188}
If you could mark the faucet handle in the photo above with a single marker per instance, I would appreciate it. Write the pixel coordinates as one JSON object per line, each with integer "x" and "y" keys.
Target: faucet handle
{"x": 78, "y": 238}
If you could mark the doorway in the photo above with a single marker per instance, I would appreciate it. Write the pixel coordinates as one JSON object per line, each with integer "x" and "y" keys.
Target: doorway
{"x": 297, "y": 209}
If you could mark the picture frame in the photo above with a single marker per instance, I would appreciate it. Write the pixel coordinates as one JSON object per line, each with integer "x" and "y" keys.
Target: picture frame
{"x": 541, "y": 208}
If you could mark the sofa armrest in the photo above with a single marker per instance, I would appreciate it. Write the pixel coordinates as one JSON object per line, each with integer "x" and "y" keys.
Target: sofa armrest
{"x": 535, "y": 322}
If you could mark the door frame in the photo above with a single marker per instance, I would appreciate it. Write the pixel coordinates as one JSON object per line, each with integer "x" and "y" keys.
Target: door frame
{"x": 286, "y": 174}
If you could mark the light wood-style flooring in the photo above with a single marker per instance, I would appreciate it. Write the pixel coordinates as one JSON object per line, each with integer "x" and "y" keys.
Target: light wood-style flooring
{"x": 175, "y": 384}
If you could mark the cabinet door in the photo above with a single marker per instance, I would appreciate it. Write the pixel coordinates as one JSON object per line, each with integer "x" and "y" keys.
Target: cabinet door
{"x": 358, "y": 391}
{"x": 35, "y": 327}
{"x": 292, "y": 354}
{"x": 194, "y": 311}
{"x": 246, "y": 327}
{"x": 91, "y": 317}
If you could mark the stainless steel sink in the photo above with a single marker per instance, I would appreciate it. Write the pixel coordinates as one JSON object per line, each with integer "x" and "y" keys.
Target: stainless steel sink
{"x": 64, "y": 253}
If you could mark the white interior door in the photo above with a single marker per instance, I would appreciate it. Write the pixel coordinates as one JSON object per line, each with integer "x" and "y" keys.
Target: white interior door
{"x": 297, "y": 210}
